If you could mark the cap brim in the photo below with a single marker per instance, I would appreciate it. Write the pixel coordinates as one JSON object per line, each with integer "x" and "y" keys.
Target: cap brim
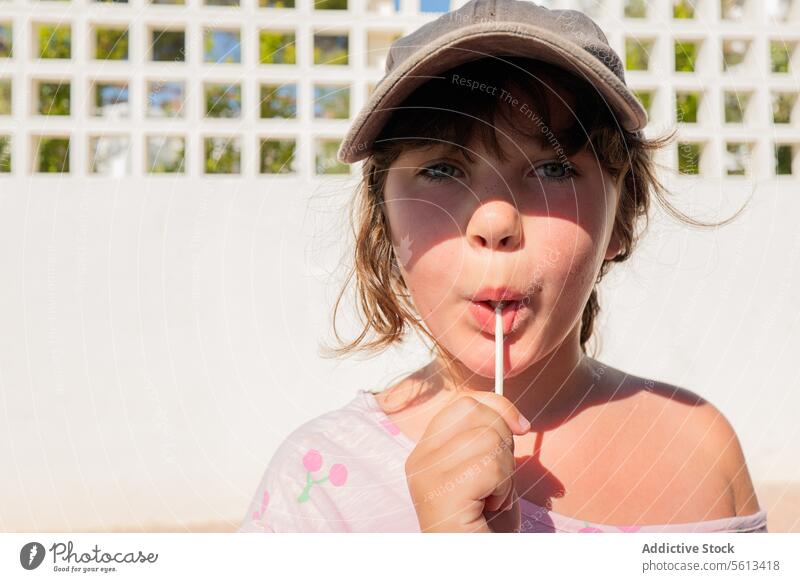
{"x": 473, "y": 42}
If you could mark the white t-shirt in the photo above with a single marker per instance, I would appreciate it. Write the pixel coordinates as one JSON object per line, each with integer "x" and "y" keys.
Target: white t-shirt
{"x": 344, "y": 471}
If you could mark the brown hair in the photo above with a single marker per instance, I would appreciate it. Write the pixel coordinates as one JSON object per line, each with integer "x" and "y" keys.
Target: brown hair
{"x": 429, "y": 115}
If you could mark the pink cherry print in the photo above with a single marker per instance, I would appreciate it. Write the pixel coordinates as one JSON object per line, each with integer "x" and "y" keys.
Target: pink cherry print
{"x": 390, "y": 427}
{"x": 337, "y": 475}
{"x": 590, "y": 529}
{"x": 629, "y": 528}
{"x": 312, "y": 460}
{"x": 264, "y": 503}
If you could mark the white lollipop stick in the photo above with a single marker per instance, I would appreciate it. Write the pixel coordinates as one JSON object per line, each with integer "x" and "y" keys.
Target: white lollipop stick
{"x": 498, "y": 351}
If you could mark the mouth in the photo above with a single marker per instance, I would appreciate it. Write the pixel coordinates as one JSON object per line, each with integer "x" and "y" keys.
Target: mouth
{"x": 502, "y": 304}
{"x": 483, "y": 312}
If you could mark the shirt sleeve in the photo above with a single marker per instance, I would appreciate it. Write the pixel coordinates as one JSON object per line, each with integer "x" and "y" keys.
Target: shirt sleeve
{"x": 294, "y": 492}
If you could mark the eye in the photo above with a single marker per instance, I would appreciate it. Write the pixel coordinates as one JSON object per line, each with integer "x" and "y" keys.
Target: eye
{"x": 438, "y": 172}
{"x": 558, "y": 171}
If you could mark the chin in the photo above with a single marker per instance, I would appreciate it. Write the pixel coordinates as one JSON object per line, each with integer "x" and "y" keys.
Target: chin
{"x": 478, "y": 355}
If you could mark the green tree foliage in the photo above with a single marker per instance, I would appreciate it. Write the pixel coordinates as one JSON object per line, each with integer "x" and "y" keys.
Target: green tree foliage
{"x": 782, "y": 105}
{"x": 278, "y": 101}
{"x": 685, "y": 56}
{"x": 326, "y": 160}
{"x": 635, "y": 8}
{"x": 277, "y": 48}
{"x": 330, "y": 49}
{"x": 331, "y": 102}
{"x": 223, "y": 100}
{"x": 783, "y": 159}
{"x": 645, "y": 98}
{"x": 682, "y": 9}
{"x": 734, "y": 53}
{"x": 223, "y": 155}
{"x": 689, "y": 158}
{"x": 330, "y": 4}
{"x": 5, "y": 153}
{"x": 686, "y": 106}
{"x": 5, "y": 97}
{"x": 277, "y": 156}
{"x": 735, "y": 106}
{"x": 780, "y": 55}
{"x": 111, "y": 44}
{"x": 55, "y": 41}
{"x": 169, "y": 45}
{"x": 6, "y": 40}
{"x": 54, "y": 98}
{"x": 637, "y": 54}
{"x": 53, "y": 154}
{"x": 166, "y": 155}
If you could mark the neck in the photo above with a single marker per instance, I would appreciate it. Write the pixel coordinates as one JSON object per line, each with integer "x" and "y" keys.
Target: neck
{"x": 550, "y": 389}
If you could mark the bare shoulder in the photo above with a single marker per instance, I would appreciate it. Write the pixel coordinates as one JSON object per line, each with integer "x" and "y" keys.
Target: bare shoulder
{"x": 699, "y": 437}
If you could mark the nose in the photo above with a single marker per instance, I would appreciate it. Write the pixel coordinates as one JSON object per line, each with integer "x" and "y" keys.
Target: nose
{"x": 495, "y": 225}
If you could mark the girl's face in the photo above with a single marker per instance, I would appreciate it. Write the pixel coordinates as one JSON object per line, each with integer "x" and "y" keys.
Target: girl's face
{"x": 529, "y": 223}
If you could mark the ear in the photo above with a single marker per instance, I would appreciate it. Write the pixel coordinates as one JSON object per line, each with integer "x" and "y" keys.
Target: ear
{"x": 614, "y": 243}
{"x": 614, "y": 247}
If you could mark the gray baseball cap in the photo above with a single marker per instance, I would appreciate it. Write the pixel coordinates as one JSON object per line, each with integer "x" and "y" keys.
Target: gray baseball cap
{"x": 483, "y": 28}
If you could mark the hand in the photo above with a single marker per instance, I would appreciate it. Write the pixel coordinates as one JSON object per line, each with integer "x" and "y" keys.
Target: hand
{"x": 460, "y": 474}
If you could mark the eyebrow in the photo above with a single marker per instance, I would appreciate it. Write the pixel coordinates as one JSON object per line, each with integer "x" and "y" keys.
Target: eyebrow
{"x": 539, "y": 142}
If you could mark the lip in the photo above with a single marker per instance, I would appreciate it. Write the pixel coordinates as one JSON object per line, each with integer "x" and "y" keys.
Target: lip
{"x": 483, "y": 313}
{"x": 497, "y": 294}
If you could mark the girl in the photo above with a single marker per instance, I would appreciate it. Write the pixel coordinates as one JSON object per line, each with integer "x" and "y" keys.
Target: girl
{"x": 508, "y": 173}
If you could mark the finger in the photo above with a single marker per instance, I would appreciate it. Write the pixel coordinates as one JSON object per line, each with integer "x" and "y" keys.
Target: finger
{"x": 489, "y": 482}
{"x": 482, "y": 442}
{"x": 496, "y": 504}
{"x": 500, "y": 495}
{"x": 505, "y": 408}
{"x": 469, "y": 411}
{"x": 508, "y": 521}
{"x": 493, "y": 480}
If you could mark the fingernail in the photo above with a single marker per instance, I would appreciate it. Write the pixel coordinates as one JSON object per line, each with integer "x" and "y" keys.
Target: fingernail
{"x": 524, "y": 423}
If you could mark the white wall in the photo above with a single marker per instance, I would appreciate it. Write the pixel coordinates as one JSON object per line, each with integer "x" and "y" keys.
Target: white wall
{"x": 160, "y": 335}
{"x": 159, "y": 341}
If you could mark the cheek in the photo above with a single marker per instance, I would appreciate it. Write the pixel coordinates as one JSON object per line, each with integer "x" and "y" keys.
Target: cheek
{"x": 578, "y": 225}
{"x": 421, "y": 222}
{"x": 572, "y": 269}
{"x": 426, "y": 242}
{"x": 567, "y": 268}
{"x": 571, "y": 255}
{"x": 431, "y": 277}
